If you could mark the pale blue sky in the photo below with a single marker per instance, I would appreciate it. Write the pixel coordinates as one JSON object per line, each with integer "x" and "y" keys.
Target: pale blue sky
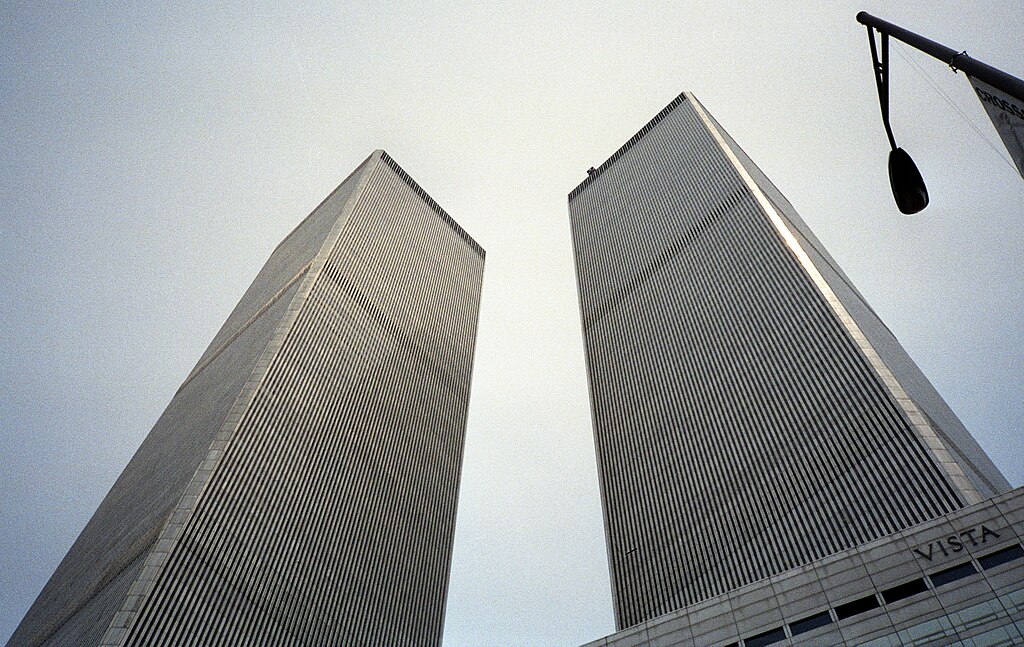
{"x": 153, "y": 157}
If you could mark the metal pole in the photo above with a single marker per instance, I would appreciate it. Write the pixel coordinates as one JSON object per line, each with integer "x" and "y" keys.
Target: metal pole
{"x": 998, "y": 79}
{"x": 881, "y": 66}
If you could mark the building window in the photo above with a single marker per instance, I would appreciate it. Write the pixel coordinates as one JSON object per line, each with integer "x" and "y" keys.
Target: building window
{"x": 810, "y": 624}
{"x": 766, "y": 638}
{"x": 1001, "y": 557}
{"x": 904, "y": 590}
{"x": 953, "y": 574}
{"x": 856, "y": 607}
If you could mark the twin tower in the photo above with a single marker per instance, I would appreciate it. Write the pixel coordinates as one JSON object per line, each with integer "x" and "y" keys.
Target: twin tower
{"x": 752, "y": 417}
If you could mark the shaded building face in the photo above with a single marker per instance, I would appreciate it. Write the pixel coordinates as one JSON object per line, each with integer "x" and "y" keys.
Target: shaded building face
{"x": 301, "y": 486}
{"x": 751, "y": 413}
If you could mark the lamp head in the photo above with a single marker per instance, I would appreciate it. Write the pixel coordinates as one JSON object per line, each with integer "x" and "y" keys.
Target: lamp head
{"x": 907, "y": 184}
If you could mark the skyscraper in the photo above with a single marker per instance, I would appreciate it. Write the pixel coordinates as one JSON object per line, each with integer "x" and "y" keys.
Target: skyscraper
{"x": 751, "y": 412}
{"x": 301, "y": 486}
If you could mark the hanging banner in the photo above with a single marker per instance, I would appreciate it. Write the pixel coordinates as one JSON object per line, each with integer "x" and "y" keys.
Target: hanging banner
{"x": 1007, "y": 115}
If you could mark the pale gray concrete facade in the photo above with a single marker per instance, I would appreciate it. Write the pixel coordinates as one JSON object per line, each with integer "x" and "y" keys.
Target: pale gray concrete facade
{"x": 751, "y": 412}
{"x": 301, "y": 486}
{"x": 956, "y": 580}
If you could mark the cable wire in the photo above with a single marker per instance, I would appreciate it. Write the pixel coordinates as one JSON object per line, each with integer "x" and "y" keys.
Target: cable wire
{"x": 935, "y": 86}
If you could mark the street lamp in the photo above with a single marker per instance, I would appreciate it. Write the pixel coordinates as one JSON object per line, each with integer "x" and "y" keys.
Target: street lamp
{"x": 907, "y": 184}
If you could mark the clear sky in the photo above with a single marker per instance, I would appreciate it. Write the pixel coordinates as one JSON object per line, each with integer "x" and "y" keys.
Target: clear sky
{"x": 153, "y": 157}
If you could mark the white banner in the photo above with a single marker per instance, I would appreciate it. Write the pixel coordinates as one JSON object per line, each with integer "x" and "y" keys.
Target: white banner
{"x": 1007, "y": 115}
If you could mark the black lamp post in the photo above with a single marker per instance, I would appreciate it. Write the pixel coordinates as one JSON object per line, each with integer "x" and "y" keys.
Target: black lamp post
{"x": 907, "y": 184}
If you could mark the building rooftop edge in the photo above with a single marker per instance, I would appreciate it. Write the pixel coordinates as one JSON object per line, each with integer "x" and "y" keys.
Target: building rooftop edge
{"x": 593, "y": 175}
{"x": 475, "y": 246}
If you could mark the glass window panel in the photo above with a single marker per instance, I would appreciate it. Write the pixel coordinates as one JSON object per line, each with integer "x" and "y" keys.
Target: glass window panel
{"x": 926, "y": 631}
{"x": 1001, "y": 557}
{"x": 977, "y": 614}
{"x": 811, "y": 623}
{"x": 953, "y": 574}
{"x": 856, "y": 607}
{"x": 904, "y": 590}
{"x": 766, "y": 638}
{"x": 997, "y": 637}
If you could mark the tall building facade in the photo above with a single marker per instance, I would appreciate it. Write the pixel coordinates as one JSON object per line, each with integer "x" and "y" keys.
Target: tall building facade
{"x": 751, "y": 412}
{"x": 301, "y": 486}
